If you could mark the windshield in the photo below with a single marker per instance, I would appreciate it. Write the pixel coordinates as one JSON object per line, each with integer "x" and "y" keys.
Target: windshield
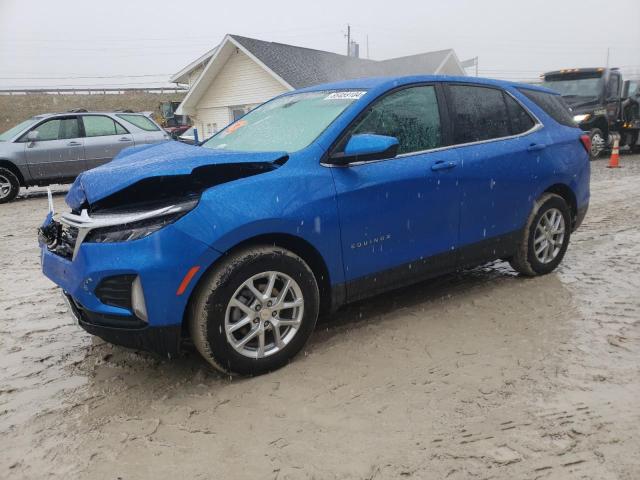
{"x": 288, "y": 123}
{"x": 12, "y": 132}
{"x": 576, "y": 87}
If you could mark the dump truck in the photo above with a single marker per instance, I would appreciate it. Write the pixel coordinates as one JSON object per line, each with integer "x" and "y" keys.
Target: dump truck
{"x": 603, "y": 104}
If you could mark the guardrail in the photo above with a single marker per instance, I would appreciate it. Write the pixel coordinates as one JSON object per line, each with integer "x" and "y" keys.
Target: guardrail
{"x": 89, "y": 91}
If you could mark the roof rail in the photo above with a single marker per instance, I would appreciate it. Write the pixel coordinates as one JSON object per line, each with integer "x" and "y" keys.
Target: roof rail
{"x": 78, "y": 110}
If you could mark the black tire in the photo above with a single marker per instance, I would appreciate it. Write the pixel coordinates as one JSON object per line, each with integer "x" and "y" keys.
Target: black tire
{"x": 7, "y": 176}
{"x": 208, "y": 307}
{"x": 596, "y": 133}
{"x": 525, "y": 260}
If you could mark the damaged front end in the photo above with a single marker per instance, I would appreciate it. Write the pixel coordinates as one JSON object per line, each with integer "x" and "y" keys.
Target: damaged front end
{"x": 64, "y": 235}
{"x": 151, "y": 195}
{"x": 117, "y": 255}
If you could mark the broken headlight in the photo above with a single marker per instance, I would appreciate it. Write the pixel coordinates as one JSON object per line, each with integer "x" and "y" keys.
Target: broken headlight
{"x": 133, "y": 227}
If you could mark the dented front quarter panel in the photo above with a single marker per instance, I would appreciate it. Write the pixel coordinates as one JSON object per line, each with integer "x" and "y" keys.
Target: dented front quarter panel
{"x": 296, "y": 199}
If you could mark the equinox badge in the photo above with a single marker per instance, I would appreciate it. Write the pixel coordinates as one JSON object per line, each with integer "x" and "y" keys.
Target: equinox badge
{"x": 371, "y": 241}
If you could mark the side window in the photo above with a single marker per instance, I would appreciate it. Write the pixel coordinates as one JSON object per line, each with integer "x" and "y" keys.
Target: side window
{"x": 613, "y": 87}
{"x": 521, "y": 121}
{"x": 120, "y": 130}
{"x": 552, "y": 104}
{"x": 139, "y": 121}
{"x": 48, "y": 130}
{"x": 69, "y": 128}
{"x": 98, "y": 126}
{"x": 411, "y": 115}
{"x": 478, "y": 113}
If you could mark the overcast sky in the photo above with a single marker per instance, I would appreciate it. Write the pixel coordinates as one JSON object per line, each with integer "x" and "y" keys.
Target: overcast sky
{"x": 54, "y": 42}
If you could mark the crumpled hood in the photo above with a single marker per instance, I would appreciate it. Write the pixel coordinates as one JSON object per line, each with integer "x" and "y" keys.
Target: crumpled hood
{"x": 164, "y": 159}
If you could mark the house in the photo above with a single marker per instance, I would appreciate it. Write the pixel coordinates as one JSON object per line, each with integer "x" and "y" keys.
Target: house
{"x": 241, "y": 73}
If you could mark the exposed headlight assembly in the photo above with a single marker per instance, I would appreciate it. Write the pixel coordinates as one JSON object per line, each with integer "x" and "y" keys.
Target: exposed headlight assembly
{"x": 131, "y": 231}
{"x": 124, "y": 226}
{"x": 581, "y": 118}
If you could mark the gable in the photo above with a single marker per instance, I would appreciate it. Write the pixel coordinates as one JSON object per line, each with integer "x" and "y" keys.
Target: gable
{"x": 451, "y": 66}
{"x": 240, "y": 81}
{"x": 245, "y": 71}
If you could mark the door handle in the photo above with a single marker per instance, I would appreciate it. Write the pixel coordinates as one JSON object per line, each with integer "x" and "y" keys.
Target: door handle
{"x": 442, "y": 165}
{"x": 536, "y": 147}
{"x": 74, "y": 144}
{"x": 124, "y": 139}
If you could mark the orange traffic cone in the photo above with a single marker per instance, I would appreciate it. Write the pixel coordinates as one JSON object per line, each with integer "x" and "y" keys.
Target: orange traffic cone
{"x": 614, "y": 161}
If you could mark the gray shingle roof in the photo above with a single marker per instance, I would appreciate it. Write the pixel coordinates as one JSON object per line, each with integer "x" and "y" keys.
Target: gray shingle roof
{"x": 302, "y": 67}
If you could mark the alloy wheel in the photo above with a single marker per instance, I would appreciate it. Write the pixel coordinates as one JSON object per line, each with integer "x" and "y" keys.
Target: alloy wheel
{"x": 5, "y": 186}
{"x": 264, "y": 314}
{"x": 597, "y": 145}
{"x": 549, "y": 236}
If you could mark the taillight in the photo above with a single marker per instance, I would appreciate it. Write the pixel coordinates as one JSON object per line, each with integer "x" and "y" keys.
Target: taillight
{"x": 586, "y": 142}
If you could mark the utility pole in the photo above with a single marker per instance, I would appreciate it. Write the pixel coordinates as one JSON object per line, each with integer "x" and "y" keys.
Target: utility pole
{"x": 348, "y": 40}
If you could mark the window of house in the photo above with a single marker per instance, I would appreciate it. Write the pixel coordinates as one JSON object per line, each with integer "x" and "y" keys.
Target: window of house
{"x": 478, "y": 113}
{"x": 212, "y": 128}
{"x": 521, "y": 121}
{"x": 99, "y": 126}
{"x": 238, "y": 112}
{"x": 552, "y": 104}
{"x": 411, "y": 115}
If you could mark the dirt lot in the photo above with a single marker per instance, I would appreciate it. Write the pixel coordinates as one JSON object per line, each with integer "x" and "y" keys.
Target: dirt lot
{"x": 476, "y": 375}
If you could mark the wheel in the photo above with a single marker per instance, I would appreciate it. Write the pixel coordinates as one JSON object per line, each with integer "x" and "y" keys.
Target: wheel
{"x": 598, "y": 143}
{"x": 252, "y": 313}
{"x": 9, "y": 185}
{"x": 545, "y": 238}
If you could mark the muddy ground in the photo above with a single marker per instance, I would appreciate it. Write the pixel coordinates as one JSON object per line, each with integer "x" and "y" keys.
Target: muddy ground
{"x": 476, "y": 375}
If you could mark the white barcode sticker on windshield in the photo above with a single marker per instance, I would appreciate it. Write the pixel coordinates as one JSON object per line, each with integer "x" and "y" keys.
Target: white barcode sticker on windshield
{"x": 344, "y": 95}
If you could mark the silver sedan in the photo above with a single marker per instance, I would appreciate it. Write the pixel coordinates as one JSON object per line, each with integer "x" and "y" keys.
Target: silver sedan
{"x": 56, "y": 148}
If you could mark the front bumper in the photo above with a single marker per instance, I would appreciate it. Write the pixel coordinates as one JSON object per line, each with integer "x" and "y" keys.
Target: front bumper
{"x": 164, "y": 341}
{"x": 160, "y": 260}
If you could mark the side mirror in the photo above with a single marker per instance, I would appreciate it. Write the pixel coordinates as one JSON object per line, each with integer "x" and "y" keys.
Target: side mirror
{"x": 366, "y": 147}
{"x": 32, "y": 136}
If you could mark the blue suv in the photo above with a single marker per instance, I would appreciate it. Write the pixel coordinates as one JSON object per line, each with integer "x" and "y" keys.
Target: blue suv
{"x": 319, "y": 197}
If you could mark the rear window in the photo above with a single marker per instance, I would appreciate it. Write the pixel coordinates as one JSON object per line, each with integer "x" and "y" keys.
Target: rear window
{"x": 101, "y": 126}
{"x": 552, "y": 104}
{"x": 140, "y": 121}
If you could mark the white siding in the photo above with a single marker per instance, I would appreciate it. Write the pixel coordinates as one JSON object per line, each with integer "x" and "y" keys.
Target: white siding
{"x": 218, "y": 116}
{"x": 241, "y": 81}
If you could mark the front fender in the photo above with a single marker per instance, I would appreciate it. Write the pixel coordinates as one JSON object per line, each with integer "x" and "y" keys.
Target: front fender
{"x": 298, "y": 202}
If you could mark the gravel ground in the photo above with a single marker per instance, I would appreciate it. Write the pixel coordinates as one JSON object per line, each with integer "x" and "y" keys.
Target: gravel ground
{"x": 481, "y": 374}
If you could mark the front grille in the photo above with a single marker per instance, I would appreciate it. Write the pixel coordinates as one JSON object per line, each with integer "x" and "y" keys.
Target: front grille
{"x": 116, "y": 291}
